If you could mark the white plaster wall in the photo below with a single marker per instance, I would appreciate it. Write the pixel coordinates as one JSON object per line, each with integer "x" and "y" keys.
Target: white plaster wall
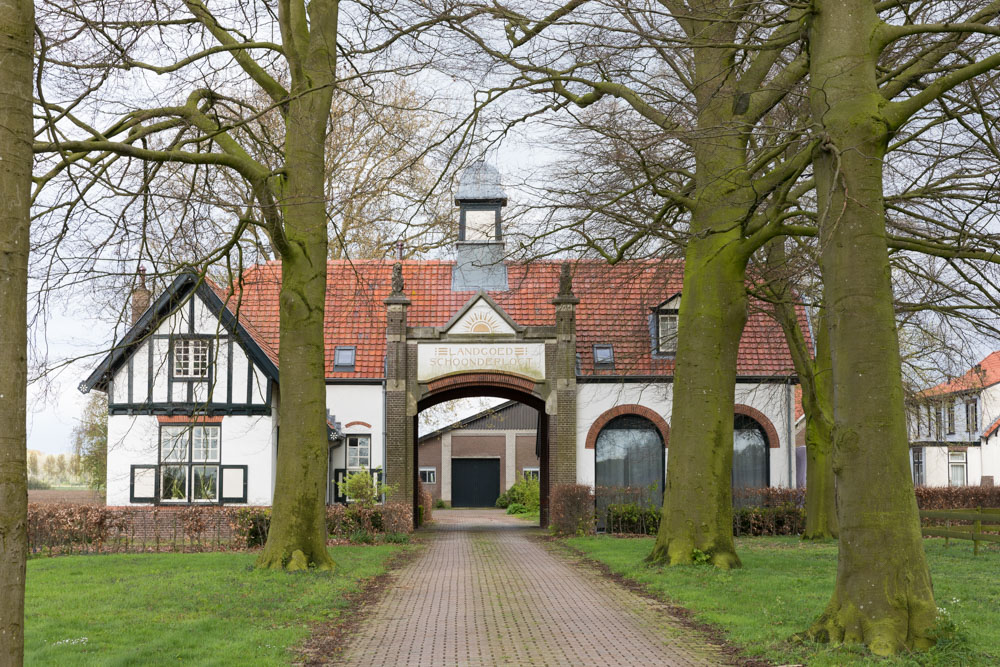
{"x": 593, "y": 399}
{"x": 989, "y": 406}
{"x": 359, "y": 403}
{"x": 974, "y": 466}
{"x": 990, "y": 453}
{"x": 131, "y": 441}
{"x": 936, "y": 466}
{"x": 246, "y": 440}
{"x": 249, "y": 441}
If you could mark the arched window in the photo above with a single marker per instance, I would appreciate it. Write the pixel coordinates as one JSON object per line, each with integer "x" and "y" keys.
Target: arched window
{"x": 750, "y": 454}
{"x": 629, "y": 451}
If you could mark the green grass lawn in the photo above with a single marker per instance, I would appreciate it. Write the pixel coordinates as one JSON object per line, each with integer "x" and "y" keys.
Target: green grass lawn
{"x": 785, "y": 583}
{"x": 198, "y": 609}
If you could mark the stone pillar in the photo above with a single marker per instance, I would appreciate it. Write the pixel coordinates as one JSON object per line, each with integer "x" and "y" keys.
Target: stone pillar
{"x": 446, "y": 467}
{"x": 510, "y": 455}
{"x": 399, "y": 471}
{"x": 562, "y": 430}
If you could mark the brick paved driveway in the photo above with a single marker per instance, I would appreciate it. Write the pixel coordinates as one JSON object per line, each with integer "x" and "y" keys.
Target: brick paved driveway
{"x": 485, "y": 593}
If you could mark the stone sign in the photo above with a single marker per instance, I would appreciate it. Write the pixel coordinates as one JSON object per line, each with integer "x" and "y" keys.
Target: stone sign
{"x": 436, "y": 360}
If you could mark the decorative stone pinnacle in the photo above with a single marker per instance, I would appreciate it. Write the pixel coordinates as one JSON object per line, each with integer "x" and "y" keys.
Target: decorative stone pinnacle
{"x": 565, "y": 281}
{"x": 397, "y": 279}
{"x": 565, "y": 295}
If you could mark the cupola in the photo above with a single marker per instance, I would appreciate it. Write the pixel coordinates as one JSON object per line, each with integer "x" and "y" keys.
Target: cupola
{"x": 479, "y": 253}
{"x": 480, "y": 198}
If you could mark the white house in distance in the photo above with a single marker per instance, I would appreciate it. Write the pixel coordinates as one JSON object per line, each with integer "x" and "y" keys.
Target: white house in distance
{"x": 955, "y": 429}
{"x": 193, "y": 390}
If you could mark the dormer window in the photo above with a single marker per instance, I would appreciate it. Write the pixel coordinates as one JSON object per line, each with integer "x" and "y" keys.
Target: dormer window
{"x": 604, "y": 356}
{"x": 666, "y": 334}
{"x": 343, "y": 358}
{"x": 664, "y": 325}
{"x": 191, "y": 358}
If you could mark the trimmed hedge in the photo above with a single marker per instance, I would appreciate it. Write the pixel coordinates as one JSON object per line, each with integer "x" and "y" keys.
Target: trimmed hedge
{"x": 342, "y": 521}
{"x": 629, "y": 518}
{"x": 63, "y": 529}
{"x": 572, "y": 509}
{"x": 957, "y": 497}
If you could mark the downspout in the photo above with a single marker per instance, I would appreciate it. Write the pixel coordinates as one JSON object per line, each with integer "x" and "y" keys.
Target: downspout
{"x": 385, "y": 462}
{"x": 790, "y": 424}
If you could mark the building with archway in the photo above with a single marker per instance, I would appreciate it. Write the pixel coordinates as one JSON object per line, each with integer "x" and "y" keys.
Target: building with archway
{"x": 193, "y": 387}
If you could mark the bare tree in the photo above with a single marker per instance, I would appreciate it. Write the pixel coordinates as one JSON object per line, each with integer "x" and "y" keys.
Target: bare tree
{"x": 883, "y": 595}
{"x": 199, "y": 69}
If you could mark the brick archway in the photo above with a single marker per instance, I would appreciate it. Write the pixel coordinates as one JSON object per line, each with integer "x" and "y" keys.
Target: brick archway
{"x": 628, "y": 409}
{"x": 464, "y": 385}
{"x": 772, "y": 433}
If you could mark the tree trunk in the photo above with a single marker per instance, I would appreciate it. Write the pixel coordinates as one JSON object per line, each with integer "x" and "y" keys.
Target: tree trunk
{"x": 16, "y": 44}
{"x": 821, "y": 501}
{"x": 697, "y": 507}
{"x": 883, "y": 594}
{"x": 817, "y": 395}
{"x": 696, "y": 523}
{"x": 297, "y": 537}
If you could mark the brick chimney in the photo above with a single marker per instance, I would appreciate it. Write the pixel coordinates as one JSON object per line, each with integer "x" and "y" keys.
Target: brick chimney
{"x": 140, "y": 297}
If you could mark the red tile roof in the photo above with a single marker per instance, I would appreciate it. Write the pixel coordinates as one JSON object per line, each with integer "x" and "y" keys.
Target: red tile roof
{"x": 983, "y": 374}
{"x": 991, "y": 429}
{"x": 615, "y": 307}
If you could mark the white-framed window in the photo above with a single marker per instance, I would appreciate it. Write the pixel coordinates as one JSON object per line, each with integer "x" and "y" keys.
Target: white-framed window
{"x": 666, "y": 332}
{"x": 428, "y": 475}
{"x": 191, "y": 357}
{"x": 189, "y": 463}
{"x": 938, "y": 430}
{"x": 930, "y": 421}
{"x": 951, "y": 417}
{"x": 359, "y": 452}
{"x": 531, "y": 473}
{"x": 917, "y": 453}
{"x": 972, "y": 415}
{"x": 956, "y": 468}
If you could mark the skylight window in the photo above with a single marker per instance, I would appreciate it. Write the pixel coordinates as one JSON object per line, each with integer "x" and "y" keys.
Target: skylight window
{"x": 343, "y": 358}
{"x": 604, "y": 356}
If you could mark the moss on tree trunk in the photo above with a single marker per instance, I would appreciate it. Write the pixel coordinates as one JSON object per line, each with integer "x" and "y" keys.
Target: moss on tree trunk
{"x": 297, "y": 537}
{"x": 697, "y": 522}
{"x": 883, "y": 596}
{"x": 16, "y": 42}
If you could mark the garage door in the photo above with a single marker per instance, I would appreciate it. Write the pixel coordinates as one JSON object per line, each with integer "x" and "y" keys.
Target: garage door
{"x": 475, "y": 482}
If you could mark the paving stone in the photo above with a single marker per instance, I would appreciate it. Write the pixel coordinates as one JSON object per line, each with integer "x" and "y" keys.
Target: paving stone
{"x": 485, "y": 593}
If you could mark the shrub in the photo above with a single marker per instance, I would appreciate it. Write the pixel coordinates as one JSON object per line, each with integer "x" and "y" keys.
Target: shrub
{"x": 362, "y": 488}
{"x": 756, "y": 521}
{"x": 439, "y": 504}
{"x": 250, "y": 526}
{"x": 630, "y": 518}
{"x": 517, "y": 508}
{"x": 525, "y": 491}
{"x": 343, "y": 520}
{"x": 769, "y": 497}
{"x": 572, "y": 509}
{"x": 35, "y": 484}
